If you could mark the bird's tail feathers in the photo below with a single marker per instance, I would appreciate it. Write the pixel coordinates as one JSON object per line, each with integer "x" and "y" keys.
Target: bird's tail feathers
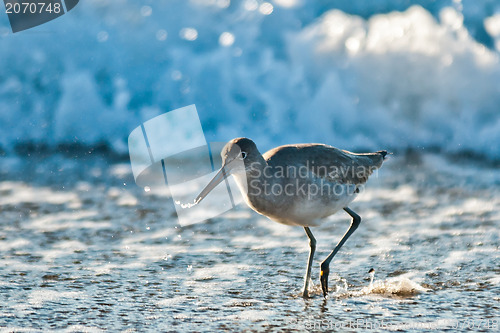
{"x": 384, "y": 154}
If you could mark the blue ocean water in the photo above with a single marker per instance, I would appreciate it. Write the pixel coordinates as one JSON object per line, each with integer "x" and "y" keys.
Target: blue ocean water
{"x": 356, "y": 74}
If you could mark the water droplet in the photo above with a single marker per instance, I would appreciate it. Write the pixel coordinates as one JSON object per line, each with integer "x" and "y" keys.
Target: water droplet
{"x": 251, "y": 5}
{"x": 189, "y": 34}
{"x": 176, "y": 75}
{"x": 266, "y": 8}
{"x": 102, "y": 36}
{"x": 161, "y": 35}
{"x": 223, "y": 3}
{"x": 226, "y": 39}
{"x": 146, "y": 11}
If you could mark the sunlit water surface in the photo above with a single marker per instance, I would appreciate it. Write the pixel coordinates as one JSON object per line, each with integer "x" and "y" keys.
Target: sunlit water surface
{"x": 83, "y": 248}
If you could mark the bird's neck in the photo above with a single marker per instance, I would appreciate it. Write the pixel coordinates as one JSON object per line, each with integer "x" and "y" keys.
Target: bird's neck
{"x": 251, "y": 182}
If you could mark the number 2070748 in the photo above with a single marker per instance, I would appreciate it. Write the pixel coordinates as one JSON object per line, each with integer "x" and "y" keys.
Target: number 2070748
{"x": 32, "y": 7}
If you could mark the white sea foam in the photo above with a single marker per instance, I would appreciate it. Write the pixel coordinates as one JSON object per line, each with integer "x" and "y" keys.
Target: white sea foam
{"x": 396, "y": 79}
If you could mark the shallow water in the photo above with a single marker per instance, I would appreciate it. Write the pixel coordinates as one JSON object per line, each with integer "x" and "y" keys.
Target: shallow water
{"x": 83, "y": 248}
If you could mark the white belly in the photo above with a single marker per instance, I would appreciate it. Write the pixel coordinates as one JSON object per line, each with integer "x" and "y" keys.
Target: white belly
{"x": 312, "y": 212}
{"x": 301, "y": 210}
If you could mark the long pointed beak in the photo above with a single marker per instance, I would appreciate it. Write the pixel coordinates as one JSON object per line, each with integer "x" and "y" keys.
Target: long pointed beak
{"x": 218, "y": 178}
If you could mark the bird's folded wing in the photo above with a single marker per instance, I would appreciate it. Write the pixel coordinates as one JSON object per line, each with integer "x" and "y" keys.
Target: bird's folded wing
{"x": 327, "y": 162}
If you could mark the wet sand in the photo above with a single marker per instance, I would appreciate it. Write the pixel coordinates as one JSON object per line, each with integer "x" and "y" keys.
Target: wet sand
{"x": 83, "y": 248}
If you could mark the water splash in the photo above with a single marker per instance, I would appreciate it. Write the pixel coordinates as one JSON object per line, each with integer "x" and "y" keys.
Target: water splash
{"x": 372, "y": 276}
{"x": 397, "y": 286}
{"x": 342, "y": 289}
{"x": 401, "y": 286}
{"x": 186, "y": 205}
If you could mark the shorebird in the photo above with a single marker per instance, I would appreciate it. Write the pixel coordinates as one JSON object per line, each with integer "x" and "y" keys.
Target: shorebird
{"x": 298, "y": 185}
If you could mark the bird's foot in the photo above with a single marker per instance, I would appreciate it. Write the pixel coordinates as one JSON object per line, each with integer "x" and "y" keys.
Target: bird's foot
{"x": 324, "y": 280}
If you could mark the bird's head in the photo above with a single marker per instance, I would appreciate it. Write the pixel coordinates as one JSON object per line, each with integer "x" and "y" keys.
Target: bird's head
{"x": 238, "y": 157}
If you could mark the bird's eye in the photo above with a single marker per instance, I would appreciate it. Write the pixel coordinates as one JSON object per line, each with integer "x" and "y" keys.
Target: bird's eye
{"x": 243, "y": 155}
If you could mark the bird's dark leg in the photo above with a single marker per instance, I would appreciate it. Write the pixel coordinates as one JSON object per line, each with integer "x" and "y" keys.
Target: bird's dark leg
{"x": 312, "y": 244}
{"x": 325, "y": 270}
